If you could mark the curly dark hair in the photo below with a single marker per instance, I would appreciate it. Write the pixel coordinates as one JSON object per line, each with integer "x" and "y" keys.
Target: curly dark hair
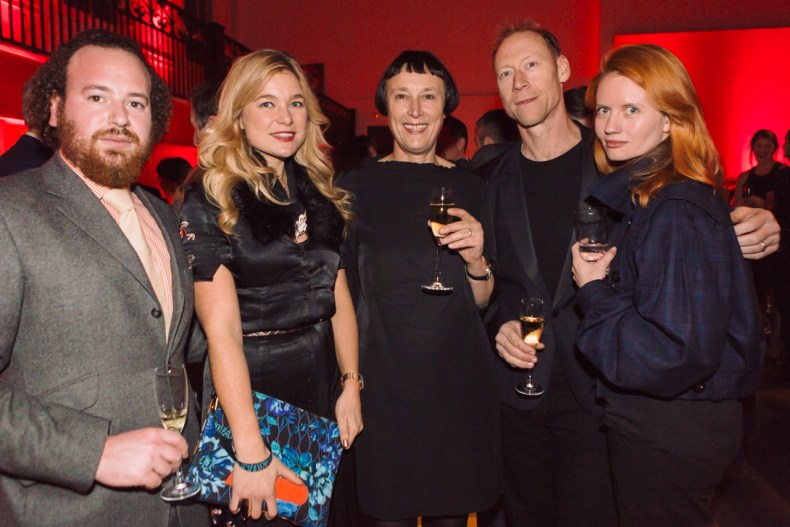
{"x": 50, "y": 79}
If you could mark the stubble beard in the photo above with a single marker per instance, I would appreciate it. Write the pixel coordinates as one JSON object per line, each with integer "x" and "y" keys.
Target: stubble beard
{"x": 111, "y": 168}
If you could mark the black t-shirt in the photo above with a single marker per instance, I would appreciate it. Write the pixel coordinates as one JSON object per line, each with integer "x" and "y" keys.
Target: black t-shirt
{"x": 552, "y": 190}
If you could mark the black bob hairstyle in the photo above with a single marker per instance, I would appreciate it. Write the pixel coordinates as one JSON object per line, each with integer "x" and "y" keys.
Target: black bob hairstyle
{"x": 418, "y": 62}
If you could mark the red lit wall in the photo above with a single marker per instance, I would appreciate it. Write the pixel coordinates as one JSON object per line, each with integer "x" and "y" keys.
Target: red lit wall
{"x": 357, "y": 40}
{"x": 743, "y": 80}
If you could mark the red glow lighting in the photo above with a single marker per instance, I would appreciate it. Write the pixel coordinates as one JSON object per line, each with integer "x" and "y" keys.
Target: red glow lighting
{"x": 11, "y": 50}
{"x": 741, "y": 78}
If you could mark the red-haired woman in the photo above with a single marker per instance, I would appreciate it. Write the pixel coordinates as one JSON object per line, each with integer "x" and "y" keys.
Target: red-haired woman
{"x": 671, "y": 317}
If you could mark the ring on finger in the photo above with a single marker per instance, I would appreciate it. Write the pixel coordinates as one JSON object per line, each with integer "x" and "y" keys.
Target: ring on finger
{"x": 470, "y": 234}
{"x": 762, "y": 244}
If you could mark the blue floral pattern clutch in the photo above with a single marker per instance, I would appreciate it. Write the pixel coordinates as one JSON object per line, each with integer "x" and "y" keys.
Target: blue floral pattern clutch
{"x": 306, "y": 443}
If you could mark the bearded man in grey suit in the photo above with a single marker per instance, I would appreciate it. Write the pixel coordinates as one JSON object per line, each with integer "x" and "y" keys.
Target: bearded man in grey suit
{"x": 83, "y": 323}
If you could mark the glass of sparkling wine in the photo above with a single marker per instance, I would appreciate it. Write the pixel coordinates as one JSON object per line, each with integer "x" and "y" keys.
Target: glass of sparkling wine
{"x": 532, "y": 314}
{"x": 591, "y": 233}
{"x": 441, "y": 200}
{"x": 172, "y": 400}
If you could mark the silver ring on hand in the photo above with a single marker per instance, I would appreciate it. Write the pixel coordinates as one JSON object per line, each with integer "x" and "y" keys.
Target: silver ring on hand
{"x": 763, "y": 246}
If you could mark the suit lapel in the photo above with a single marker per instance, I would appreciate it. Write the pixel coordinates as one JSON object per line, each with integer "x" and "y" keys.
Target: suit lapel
{"x": 75, "y": 201}
{"x": 72, "y": 198}
{"x": 519, "y": 230}
{"x": 566, "y": 288}
{"x": 178, "y": 268}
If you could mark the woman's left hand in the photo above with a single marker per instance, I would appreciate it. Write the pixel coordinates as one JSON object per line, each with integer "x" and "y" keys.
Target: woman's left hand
{"x": 348, "y": 412}
{"x": 585, "y": 271}
{"x": 464, "y": 236}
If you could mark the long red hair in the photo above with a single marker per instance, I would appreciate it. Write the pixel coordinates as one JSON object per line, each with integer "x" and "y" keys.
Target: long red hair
{"x": 689, "y": 151}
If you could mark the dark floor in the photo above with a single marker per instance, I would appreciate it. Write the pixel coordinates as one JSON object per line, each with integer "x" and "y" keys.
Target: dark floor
{"x": 755, "y": 492}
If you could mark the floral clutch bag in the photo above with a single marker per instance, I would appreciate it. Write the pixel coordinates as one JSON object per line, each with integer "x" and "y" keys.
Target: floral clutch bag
{"x": 306, "y": 443}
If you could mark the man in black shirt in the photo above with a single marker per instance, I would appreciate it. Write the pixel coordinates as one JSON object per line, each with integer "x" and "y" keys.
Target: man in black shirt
{"x": 555, "y": 460}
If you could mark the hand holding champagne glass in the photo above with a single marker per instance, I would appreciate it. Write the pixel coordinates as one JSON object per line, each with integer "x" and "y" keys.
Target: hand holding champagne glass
{"x": 441, "y": 201}
{"x": 172, "y": 400}
{"x": 532, "y": 316}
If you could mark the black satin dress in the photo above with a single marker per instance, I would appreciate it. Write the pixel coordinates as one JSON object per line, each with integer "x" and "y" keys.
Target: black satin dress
{"x": 281, "y": 285}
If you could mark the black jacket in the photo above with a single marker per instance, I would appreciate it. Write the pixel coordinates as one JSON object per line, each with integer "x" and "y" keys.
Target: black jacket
{"x": 28, "y": 152}
{"x": 518, "y": 276}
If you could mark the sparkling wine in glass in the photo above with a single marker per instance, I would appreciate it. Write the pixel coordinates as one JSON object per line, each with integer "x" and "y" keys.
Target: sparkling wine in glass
{"x": 441, "y": 201}
{"x": 532, "y": 315}
{"x": 172, "y": 401}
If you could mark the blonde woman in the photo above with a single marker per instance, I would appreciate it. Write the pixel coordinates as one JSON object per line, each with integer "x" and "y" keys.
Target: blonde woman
{"x": 262, "y": 230}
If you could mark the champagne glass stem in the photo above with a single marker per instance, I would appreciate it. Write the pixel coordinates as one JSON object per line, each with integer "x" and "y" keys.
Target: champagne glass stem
{"x": 172, "y": 397}
{"x": 438, "y": 256}
{"x": 529, "y": 377}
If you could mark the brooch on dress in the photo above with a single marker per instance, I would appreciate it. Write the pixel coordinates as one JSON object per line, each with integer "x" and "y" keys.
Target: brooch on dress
{"x": 300, "y": 226}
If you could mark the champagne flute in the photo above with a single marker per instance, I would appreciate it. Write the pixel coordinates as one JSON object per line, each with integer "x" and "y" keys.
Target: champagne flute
{"x": 441, "y": 200}
{"x": 532, "y": 314}
{"x": 172, "y": 401}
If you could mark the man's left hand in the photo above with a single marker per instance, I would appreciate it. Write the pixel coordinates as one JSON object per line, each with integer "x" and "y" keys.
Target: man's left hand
{"x": 757, "y": 230}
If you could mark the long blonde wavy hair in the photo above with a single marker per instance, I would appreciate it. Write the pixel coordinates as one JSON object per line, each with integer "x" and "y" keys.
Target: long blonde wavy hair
{"x": 689, "y": 151}
{"x": 227, "y": 158}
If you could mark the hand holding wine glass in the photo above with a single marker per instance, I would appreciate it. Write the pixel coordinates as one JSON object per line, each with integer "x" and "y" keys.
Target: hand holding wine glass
{"x": 441, "y": 202}
{"x": 584, "y": 270}
{"x": 172, "y": 400}
{"x": 532, "y": 316}
{"x": 591, "y": 233}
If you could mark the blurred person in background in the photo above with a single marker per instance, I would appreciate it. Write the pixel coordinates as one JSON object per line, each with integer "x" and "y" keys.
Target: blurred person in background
{"x": 452, "y": 142}
{"x": 495, "y": 132}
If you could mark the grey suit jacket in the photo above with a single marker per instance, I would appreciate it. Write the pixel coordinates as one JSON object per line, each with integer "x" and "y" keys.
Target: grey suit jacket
{"x": 80, "y": 334}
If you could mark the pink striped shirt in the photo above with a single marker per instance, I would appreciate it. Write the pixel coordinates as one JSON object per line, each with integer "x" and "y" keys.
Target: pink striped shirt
{"x": 151, "y": 231}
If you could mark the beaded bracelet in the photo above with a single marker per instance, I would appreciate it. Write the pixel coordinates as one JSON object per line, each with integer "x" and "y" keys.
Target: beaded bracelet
{"x": 257, "y": 467}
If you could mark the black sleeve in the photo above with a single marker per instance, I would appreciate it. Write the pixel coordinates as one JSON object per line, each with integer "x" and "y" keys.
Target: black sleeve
{"x": 207, "y": 247}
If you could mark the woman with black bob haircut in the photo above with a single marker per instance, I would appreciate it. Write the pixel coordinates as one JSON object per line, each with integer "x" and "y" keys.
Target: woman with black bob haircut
{"x": 418, "y": 62}
{"x": 430, "y": 447}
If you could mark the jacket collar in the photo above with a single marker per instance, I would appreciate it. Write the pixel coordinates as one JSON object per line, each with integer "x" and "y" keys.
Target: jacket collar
{"x": 614, "y": 191}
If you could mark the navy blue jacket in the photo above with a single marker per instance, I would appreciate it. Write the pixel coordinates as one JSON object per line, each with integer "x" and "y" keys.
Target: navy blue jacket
{"x": 28, "y": 152}
{"x": 677, "y": 317}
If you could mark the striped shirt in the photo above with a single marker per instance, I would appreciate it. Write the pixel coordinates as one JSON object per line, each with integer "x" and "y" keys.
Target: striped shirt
{"x": 151, "y": 231}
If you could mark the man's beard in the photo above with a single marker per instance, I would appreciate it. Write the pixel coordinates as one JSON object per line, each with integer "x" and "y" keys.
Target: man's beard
{"x": 111, "y": 168}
